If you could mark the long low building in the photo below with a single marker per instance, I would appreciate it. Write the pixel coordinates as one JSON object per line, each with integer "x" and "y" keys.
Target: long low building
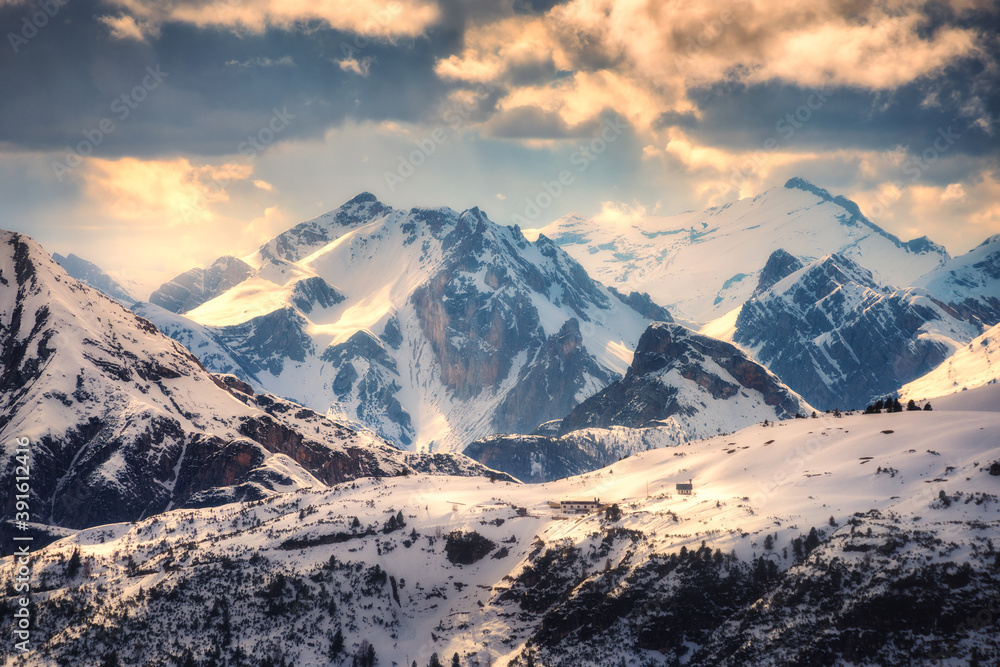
{"x": 577, "y": 506}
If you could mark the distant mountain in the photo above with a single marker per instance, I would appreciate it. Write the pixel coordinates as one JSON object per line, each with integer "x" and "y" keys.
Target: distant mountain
{"x": 705, "y": 385}
{"x": 970, "y": 283}
{"x": 543, "y": 458}
{"x": 124, "y": 423}
{"x": 196, "y": 286}
{"x": 430, "y": 326}
{"x": 702, "y": 265}
{"x": 89, "y": 273}
{"x": 840, "y": 338}
{"x": 973, "y": 365}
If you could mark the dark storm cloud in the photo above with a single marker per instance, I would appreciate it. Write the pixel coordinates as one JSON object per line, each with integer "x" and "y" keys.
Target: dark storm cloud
{"x": 217, "y": 89}
{"x": 746, "y": 116}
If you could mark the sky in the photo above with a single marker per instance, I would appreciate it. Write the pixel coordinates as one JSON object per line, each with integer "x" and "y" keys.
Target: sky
{"x": 150, "y": 136}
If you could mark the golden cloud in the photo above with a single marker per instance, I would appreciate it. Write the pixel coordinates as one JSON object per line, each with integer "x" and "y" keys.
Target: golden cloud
{"x": 643, "y": 56}
{"x": 375, "y": 18}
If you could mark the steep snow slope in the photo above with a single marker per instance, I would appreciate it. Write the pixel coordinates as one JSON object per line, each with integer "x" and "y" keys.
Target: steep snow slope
{"x": 430, "y": 326}
{"x": 903, "y": 506}
{"x": 840, "y": 338}
{"x": 970, "y": 283}
{"x": 971, "y": 366}
{"x": 703, "y": 264}
{"x": 124, "y": 422}
{"x": 89, "y": 273}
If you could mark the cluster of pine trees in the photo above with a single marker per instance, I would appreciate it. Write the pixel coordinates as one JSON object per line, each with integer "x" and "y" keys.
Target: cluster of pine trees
{"x": 893, "y": 405}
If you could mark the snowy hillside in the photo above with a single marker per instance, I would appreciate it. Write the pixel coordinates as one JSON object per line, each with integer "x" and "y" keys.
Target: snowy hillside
{"x": 867, "y": 539}
{"x": 702, "y": 265}
{"x": 840, "y": 338}
{"x": 430, "y": 326}
{"x": 124, "y": 422}
{"x": 971, "y": 366}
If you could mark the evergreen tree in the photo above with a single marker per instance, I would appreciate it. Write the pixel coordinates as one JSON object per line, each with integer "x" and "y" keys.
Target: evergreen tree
{"x": 797, "y": 551}
{"x": 812, "y": 540}
{"x": 435, "y": 661}
{"x": 911, "y": 406}
{"x": 337, "y": 644}
{"x": 896, "y": 407}
{"x": 878, "y": 406}
{"x": 769, "y": 542}
{"x": 927, "y": 406}
{"x": 73, "y": 566}
{"x": 455, "y": 662}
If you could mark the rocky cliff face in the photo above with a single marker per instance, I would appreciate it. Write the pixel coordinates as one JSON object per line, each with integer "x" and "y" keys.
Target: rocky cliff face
{"x": 196, "y": 286}
{"x": 839, "y": 338}
{"x": 561, "y": 374}
{"x": 125, "y": 423}
{"x": 430, "y": 326}
{"x": 779, "y": 266}
{"x": 706, "y": 385}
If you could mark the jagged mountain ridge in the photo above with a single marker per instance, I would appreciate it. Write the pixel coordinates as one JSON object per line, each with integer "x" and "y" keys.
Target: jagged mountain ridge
{"x": 840, "y": 338}
{"x": 703, "y": 264}
{"x": 431, "y": 326}
{"x": 196, "y": 286}
{"x": 125, "y": 423}
{"x": 705, "y": 385}
{"x": 89, "y": 273}
{"x": 970, "y": 283}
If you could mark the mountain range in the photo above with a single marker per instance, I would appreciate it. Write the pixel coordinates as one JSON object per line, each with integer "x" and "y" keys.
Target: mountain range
{"x": 436, "y": 328}
{"x": 260, "y": 465}
{"x": 125, "y": 423}
{"x": 430, "y": 326}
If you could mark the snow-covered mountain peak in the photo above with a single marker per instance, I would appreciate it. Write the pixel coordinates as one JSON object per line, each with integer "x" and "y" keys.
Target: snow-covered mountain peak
{"x": 703, "y": 264}
{"x": 471, "y": 314}
{"x": 991, "y": 241}
{"x": 125, "y": 422}
{"x": 705, "y": 385}
{"x": 836, "y": 335}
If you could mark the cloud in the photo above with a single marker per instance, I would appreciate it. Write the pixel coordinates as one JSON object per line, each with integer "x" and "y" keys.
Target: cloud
{"x": 126, "y": 27}
{"x": 533, "y": 122}
{"x": 360, "y": 66}
{"x": 378, "y": 18}
{"x": 159, "y": 192}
